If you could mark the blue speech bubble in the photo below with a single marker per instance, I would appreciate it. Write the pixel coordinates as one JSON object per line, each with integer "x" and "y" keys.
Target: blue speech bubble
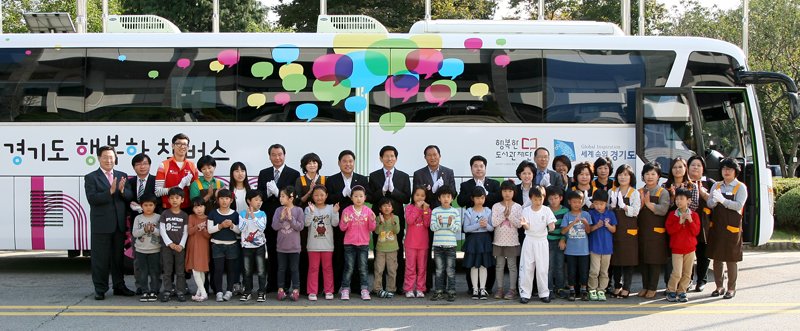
{"x": 307, "y": 111}
{"x": 122, "y": 58}
{"x": 355, "y": 104}
{"x": 451, "y": 68}
{"x": 285, "y": 53}
{"x": 370, "y": 69}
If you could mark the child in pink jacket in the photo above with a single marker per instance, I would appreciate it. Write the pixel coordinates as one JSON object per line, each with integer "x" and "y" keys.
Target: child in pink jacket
{"x": 418, "y": 220}
{"x": 357, "y": 222}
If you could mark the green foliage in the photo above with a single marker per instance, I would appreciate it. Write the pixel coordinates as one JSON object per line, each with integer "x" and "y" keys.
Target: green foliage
{"x": 396, "y": 15}
{"x": 13, "y": 10}
{"x": 593, "y": 10}
{"x": 195, "y": 16}
{"x": 787, "y": 213}
{"x": 783, "y": 185}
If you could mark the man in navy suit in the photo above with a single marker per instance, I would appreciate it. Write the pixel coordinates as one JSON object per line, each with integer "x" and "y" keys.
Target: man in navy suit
{"x": 339, "y": 187}
{"x": 270, "y": 181}
{"x": 108, "y": 200}
{"x": 140, "y": 185}
{"x": 434, "y": 176}
{"x": 393, "y": 184}
{"x": 543, "y": 176}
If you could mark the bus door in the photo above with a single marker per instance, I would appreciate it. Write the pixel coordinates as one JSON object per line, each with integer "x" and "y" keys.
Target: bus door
{"x": 713, "y": 123}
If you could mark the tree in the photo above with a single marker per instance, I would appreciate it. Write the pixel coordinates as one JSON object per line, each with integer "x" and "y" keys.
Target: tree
{"x": 592, "y": 10}
{"x": 13, "y": 10}
{"x": 395, "y": 15}
{"x": 195, "y": 16}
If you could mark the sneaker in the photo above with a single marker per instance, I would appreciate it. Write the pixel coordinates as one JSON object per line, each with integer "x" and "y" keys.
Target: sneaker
{"x": 238, "y": 289}
{"x": 499, "y": 293}
{"x": 144, "y": 297}
{"x": 601, "y": 295}
{"x": 523, "y": 300}
{"x": 295, "y": 295}
{"x": 672, "y": 297}
{"x": 219, "y": 297}
{"x": 484, "y": 294}
{"x": 181, "y": 297}
{"x": 365, "y": 295}
{"x": 683, "y": 298}
{"x": 451, "y": 296}
{"x": 281, "y": 295}
{"x": 571, "y": 295}
{"x": 153, "y": 296}
{"x": 389, "y": 295}
{"x": 475, "y": 294}
{"x": 312, "y": 297}
{"x": 420, "y": 294}
{"x": 593, "y": 295}
{"x": 228, "y": 295}
{"x": 261, "y": 297}
{"x": 245, "y": 297}
{"x": 510, "y": 295}
{"x": 409, "y": 294}
{"x": 345, "y": 294}
{"x": 165, "y": 297}
{"x": 552, "y": 295}
{"x": 381, "y": 293}
{"x": 562, "y": 293}
{"x": 328, "y": 296}
{"x": 438, "y": 295}
{"x": 584, "y": 295}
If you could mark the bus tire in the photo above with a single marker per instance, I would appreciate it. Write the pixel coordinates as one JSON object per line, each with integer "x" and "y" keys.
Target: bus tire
{"x": 73, "y": 253}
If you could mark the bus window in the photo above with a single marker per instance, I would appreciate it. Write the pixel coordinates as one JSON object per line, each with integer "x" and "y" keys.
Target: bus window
{"x": 668, "y": 129}
{"x": 595, "y": 86}
{"x": 710, "y": 69}
{"x": 42, "y": 84}
{"x": 721, "y": 131}
{"x": 163, "y": 84}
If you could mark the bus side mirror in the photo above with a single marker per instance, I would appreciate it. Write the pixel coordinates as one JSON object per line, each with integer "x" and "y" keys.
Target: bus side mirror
{"x": 794, "y": 104}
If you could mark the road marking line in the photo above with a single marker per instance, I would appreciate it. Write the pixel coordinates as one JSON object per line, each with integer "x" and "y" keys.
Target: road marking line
{"x": 31, "y": 313}
{"x": 382, "y": 314}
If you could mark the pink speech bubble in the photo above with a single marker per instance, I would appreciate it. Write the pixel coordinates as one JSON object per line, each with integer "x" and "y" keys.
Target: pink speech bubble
{"x": 437, "y": 94}
{"x": 473, "y": 43}
{"x": 397, "y": 92}
{"x": 28, "y": 52}
{"x": 324, "y": 67}
{"x": 424, "y": 61}
{"x": 502, "y": 60}
{"x": 282, "y": 98}
{"x": 228, "y": 57}
{"x": 184, "y": 63}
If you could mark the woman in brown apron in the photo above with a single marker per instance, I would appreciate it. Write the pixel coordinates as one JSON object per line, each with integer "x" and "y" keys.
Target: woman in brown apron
{"x": 310, "y": 165}
{"x": 677, "y": 178}
{"x": 697, "y": 170}
{"x": 625, "y": 203}
{"x": 653, "y": 241}
{"x": 725, "y": 233}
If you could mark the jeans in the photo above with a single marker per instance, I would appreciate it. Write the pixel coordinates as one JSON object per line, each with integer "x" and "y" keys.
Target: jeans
{"x": 578, "y": 266}
{"x": 248, "y": 257}
{"x": 556, "y": 273}
{"x": 149, "y": 265}
{"x": 293, "y": 261}
{"x": 445, "y": 258}
{"x": 350, "y": 254}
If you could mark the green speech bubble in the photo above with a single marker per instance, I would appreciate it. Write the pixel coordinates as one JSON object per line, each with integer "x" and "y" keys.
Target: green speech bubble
{"x": 153, "y": 74}
{"x": 262, "y": 69}
{"x": 396, "y": 50}
{"x": 501, "y": 42}
{"x": 393, "y": 121}
{"x": 327, "y": 91}
{"x": 449, "y": 83}
{"x": 295, "y": 82}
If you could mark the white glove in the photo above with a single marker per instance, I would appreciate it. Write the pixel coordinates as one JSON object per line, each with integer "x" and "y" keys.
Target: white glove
{"x": 346, "y": 192}
{"x": 439, "y": 183}
{"x": 136, "y": 208}
{"x": 718, "y": 197}
{"x": 186, "y": 181}
{"x": 613, "y": 201}
{"x": 545, "y": 180}
{"x": 620, "y": 200}
{"x": 386, "y": 183}
{"x": 272, "y": 189}
{"x": 587, "y": 200}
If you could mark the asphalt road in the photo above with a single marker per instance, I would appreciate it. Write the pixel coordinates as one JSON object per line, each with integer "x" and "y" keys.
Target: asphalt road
{"x": 48, "y": 291}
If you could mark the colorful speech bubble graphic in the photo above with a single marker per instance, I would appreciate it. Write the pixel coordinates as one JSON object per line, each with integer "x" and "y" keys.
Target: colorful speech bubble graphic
{"x": 256, "y": 100}
{"x": 393, "y": 121}
{"x": 501, "y": 42}
{"x": 28, "y": 52}
{"x": 216, "y": 66}
{"x": 295, "y": 83}
{"x": 228, "y": 57}
{"x": 285, "y": 53}
{"x": 479, "y": 90}
{"x": 330, "y": 91}
{"x": 502, "y": 60}
{"x": 290, "y": 69}
{"x": 370, "y": 69}
{"x": 307, "y": 111}
{"x": 438, "y": 94}
{"x": 121, "y": 58}
{"x": 325, "y": 66}
{"x": 262, "y": 69}
{"x": 424, "y": 61}
{"x": 184, "y": 63}
{"x": 451, "y": 84}
{"x": 355, "y": 104}
{"x": 473, "y": 43}
{"x": 283, "y": 98}
{"x": 153, "y": 74}
{"x": 451, "y": 68}
{"x": 58, "y": 47}
{"x": 403, "y": 86}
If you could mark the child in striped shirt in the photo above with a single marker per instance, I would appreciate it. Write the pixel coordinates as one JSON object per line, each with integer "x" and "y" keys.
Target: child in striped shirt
{"x": 445, "y": 223}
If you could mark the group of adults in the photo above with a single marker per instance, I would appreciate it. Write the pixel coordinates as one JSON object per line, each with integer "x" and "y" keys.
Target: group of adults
{"x": 113, "y": 197}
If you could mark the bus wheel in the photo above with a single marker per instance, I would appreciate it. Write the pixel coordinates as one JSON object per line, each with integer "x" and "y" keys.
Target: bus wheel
{"x": 73, "y": 253}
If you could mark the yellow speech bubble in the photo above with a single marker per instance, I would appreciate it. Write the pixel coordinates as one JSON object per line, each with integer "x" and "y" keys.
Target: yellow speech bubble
{"x": 216, "y": 66}
{"x": 256, "y": 100}
{"x": 290, "y": 69}
{"x": 479, "y": 89}
{"x": 430, "y": 41}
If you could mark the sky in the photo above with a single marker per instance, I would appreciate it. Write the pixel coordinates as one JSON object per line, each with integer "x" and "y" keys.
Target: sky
{"x": 503, "y": 9}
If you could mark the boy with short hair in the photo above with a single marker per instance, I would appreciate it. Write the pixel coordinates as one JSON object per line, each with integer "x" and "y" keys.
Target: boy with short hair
{"x": 683, "y": 227}
{"x": 252, "y": 223}
{"x": 173, "y": 226}
{"x": 445, "y": 223}
{"x": 148, "y": 247}
{"x": 556, "y": 271}
{"x": 577, "y": 224}
{"x": 601, "y": 245}
{"x": 534, "y": 259}
{"x": 386, "y": 249}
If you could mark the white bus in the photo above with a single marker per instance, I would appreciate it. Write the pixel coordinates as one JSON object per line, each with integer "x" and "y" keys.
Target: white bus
{"x": 499, "y": 90}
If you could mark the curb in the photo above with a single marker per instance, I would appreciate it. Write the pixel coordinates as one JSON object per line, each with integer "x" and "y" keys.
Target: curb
{"x": 775, "y": 246}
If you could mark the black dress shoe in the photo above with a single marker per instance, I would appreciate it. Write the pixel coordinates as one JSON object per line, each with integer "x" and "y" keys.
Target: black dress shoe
{"x": 546, "y": 300}
{"x": 700, "y": 287}
{"x": 124, "y": 291}
{"x": 729, "y": 295}
{"x": 99, "y": 296}
{"x": 523, "y": 300}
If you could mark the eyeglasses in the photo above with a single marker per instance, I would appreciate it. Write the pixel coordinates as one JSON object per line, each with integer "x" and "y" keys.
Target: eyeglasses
{"x": 181, "y": 144}
{"x": 142, "y": 164}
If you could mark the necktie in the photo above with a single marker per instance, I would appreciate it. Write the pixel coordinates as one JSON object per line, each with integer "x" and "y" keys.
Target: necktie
{"x": 539, "y": 176}
{"x": 140, "y": 191}
{"x": 388, "y": 174}
{"x": 277, "y": 175}
{"x": 110, "y": 178}
{"x": 434, "y": 176}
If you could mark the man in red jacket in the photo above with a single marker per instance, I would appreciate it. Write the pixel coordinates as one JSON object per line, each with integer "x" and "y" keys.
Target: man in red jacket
{"x": 683, "y": 225}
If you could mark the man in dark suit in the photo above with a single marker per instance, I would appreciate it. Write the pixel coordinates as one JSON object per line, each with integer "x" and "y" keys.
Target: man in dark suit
{"x": 108, "y": 199}
{"x": 477, "y": 165}
{"x": 339, "y": 187}
{"x": 270, "y": 181}
{"x": 393, "y": 184}
{"x": 142, "y": 184}
{"x": 434, "y": 176}
{"x": 545, "y": 177}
